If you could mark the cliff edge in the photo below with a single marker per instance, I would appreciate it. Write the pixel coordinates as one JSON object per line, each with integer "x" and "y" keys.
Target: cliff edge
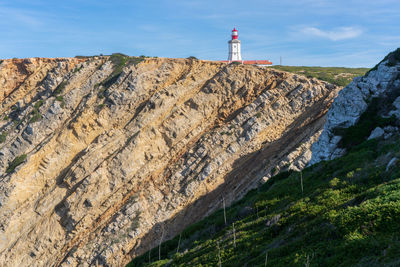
{"x": 383, "y": 81}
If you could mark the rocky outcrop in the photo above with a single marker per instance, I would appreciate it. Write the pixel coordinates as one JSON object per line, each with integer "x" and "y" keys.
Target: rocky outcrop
{"x": 376, "y": 133}
{"x": 97, "y": 167}
{"x": 351, "y": 103}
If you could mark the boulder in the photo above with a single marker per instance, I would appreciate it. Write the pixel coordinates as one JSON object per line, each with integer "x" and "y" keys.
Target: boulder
{"x": 376, "y": 133}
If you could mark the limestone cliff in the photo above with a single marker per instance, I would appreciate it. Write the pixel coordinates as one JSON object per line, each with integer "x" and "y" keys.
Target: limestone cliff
{"x": 353, "y": 100}
{"x": 100, "y": 158}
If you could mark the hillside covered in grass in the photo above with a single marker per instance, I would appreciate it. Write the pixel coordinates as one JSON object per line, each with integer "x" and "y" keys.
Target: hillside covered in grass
{"x": 343, "y": 212}
{"x": 336, "y": 75}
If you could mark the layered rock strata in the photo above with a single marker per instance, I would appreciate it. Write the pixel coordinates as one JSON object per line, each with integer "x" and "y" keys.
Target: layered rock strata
{"x": 351, "y": 103}
{"x": 93, "y": 172}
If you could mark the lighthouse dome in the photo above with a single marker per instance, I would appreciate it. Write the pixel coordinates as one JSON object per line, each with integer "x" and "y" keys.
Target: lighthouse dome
{"x": 234, "y": 34}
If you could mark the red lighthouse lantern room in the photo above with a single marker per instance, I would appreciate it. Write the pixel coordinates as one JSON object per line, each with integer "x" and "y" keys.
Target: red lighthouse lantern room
{"x": 234, "y": 34}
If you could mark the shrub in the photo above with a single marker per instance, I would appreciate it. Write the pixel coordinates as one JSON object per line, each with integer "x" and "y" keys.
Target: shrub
{"x": 17, "y": 122}
{"x": 38, "y": 104}
{"x": 119, "y": 61}
{"x": 3, "y": 137}
{"x": 76, "y": 69}
{"x": 394, "y": 58}
{"x": 369, "y": 120}
{"x": 36, "y": 116}
{"x": 82, "y": 57}
{"x": 101, "y": 106}
{"x": 60, "y": 88}
{"x": 35, "y": 113}
{"x": 134, "y": 224}
{"x": 15, "y": 163}
{"x": 60, "y": 98}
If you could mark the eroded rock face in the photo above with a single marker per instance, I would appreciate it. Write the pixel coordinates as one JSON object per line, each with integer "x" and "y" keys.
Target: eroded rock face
{"x": 351, "y": 103}
{"x": 109, "y": 171}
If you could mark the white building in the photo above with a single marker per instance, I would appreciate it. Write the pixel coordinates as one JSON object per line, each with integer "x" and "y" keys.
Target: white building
{"x": 234, "y": 47}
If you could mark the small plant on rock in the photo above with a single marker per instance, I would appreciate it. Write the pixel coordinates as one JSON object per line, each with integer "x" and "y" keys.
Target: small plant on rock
{"x": 60, "y": 98}
{"x": 15, "y": 163}
{"x": 36, "y": 116}
{"x": 3, "y": 136}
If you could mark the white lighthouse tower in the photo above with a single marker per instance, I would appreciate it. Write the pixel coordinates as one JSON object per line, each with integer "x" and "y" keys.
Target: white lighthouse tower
{"x": 234, "y": 47}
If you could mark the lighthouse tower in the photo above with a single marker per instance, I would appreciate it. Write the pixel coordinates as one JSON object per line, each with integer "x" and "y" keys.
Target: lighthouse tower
{"x": 234, "y": 47}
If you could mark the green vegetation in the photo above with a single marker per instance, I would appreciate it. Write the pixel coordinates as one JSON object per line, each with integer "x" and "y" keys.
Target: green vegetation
{"x": 60, "y": 88}
{"x": 83, "y": 57}
{"x": 346, "y": 215}
{"x": 58, "y": 91}
{"x": 17, "y": 122}
{"x": 38, "y": 104}
{"x": 192, "y": 57}
{"x": 101, "y": 91}
{"x": 14, "y": 164}
{"x": 36, "y": 116}
{"x": 76, "y": 69}
{"x": 135, "y": 222}
{"x": 120, "y": 61}
{"x": 335, "y": 75}
{"x": 100, "y": 106}
{"x": 3, "y": 137}
{"x": 5, "y": 117}
{"x": 394, "y": 58}
{"x": 369, "y": 120}
{"x": 60, "y": 98}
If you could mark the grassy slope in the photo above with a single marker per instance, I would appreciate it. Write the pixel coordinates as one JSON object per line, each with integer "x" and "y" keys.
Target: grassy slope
{"x": 348, "y": 215}
{"x": 336, "y": 75}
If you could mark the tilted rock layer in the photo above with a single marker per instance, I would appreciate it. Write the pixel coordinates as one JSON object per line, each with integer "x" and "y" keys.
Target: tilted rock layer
{"x": 112, "y": 169}
{"x": 351, "y": 103}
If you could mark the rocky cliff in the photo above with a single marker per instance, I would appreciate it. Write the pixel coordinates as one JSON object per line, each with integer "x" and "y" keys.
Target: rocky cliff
{"x": 102, "y": 158}
{"x": 383, "y": 81}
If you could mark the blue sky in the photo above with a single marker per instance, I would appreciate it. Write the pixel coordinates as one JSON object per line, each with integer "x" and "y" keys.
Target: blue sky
{"x": 303, "y": 32}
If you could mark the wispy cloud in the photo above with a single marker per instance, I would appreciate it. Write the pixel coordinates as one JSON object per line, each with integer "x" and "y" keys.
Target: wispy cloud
{"x": 27, "y": 18}
{"x": 390, "y": 41}
{"x": 335, "y": 34}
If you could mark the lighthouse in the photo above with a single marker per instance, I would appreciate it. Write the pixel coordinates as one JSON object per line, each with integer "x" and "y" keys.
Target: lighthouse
{"x": 234, "y": 47}
{"x": 236, "y": 56}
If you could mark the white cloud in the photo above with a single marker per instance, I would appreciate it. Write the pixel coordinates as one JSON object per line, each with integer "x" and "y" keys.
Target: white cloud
{"x": 20, "y": 16}
{"x": 336, "y": 34}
